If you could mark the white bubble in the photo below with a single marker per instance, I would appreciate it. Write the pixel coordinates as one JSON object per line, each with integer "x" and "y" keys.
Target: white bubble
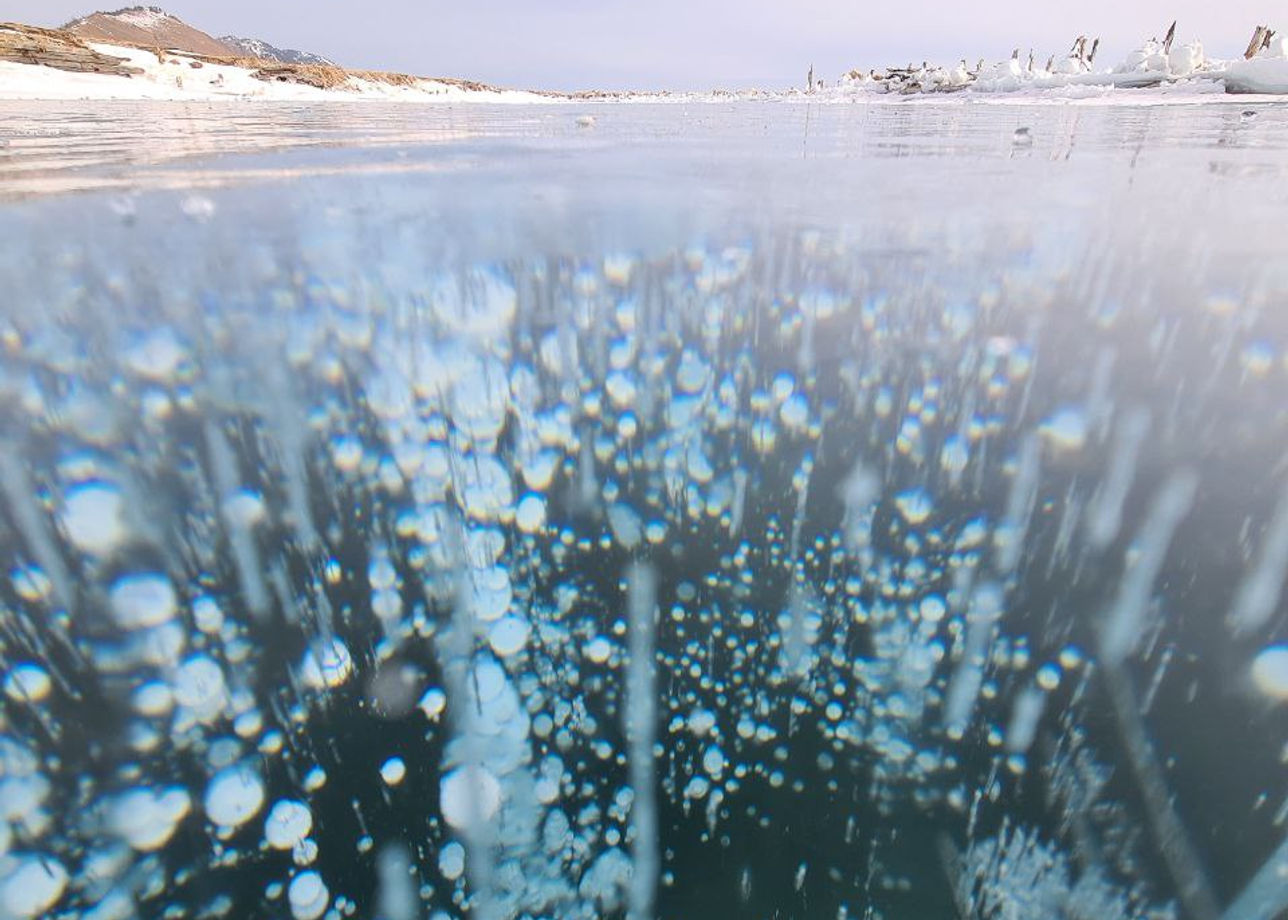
{"x": 206, "y": 615}
{"x": 915, "y": 505}
{"x": 433, "y": 703}
{"x": 22, "y": 798}
{"x": 34, "y": 886}
{"x": 156, "y": 356}
{"x": 308, "y": 896}
{"x": 701, "y": 721}
{"x": 146, "y": 819}
{"x": 486, "y": 490}
{"x": 393, "y": 770}
{"x": 234, "y": 795}
{"x": 1066, "y": 429}
{"x": 326, "y": 664}
{"x": 480, "y": 400}
{"x": 620, "y": 388}
{"x": 142, "y": 600}
{"x": 713, "y": 761}
{"x": 153, "y": 699}
{"x": 539, "y": 470}
{"x": 200, "y": 688}
{"x": 305, "y": 853}
{"x": 1270, "y": 672}
{"x": 1048, "y": 677}
{"x": 932, "y": 608}
{"x": 27, "y": 683}
{"x": 198, "y": 207}
{"x": 244, "y": 508}
{"x": 93, "y": 519}
{"x": 489, "y": 679}
{"x": 469, "y": 796}
{"x": 288, "y": 823}
{"x": 598, "y": 649}
{"x": 491, "y": 592}
{"x": 451, "y": 861}
{"x": 692, "y": 374}
{"x": 530, "y": 515}
{"x": 480, "y": 304}
{"x": 625, "y": 523}
{"x": 381, "y": 574}
{"x": 508, "y": 635}
{"x": 955, "y": 455}
{"x": 795, "y": 412}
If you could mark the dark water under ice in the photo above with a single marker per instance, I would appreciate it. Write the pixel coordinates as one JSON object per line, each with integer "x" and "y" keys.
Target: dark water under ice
{"x": 943, "y": 447}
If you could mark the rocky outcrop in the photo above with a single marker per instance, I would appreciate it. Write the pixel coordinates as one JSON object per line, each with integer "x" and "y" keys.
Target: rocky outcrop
{"x": 22, "y": 44}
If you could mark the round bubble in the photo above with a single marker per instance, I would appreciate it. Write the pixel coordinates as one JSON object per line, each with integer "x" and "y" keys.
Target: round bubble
{"x": 469, "y": 795}
{"x": 138, "y": 601}
{"x": 234, "y": 795}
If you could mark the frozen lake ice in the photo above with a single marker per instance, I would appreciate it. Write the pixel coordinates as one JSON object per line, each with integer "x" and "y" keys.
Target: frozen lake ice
{"x": 755, "y": 510}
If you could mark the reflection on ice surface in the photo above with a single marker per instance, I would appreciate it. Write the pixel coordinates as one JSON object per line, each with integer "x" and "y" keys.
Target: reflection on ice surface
{"x": 877, "y": 519}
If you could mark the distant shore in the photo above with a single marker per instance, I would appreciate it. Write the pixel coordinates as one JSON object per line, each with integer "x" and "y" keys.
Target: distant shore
{"x": 53, "y": 64}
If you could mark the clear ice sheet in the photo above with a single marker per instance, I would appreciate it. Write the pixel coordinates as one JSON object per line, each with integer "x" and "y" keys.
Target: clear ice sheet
{"x": 722, "y": 510}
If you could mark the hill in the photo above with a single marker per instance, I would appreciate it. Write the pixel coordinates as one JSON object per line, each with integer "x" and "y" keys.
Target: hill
{"x": 147, "y": 27}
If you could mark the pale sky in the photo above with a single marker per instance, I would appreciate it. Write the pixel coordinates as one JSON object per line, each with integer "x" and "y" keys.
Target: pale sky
{"x": 681, "y": 44}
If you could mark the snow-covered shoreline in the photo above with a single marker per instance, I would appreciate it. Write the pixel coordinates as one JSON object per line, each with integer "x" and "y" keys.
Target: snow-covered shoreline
{"x": 180, "y": 77}
{"x": 1154, "y": 74}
